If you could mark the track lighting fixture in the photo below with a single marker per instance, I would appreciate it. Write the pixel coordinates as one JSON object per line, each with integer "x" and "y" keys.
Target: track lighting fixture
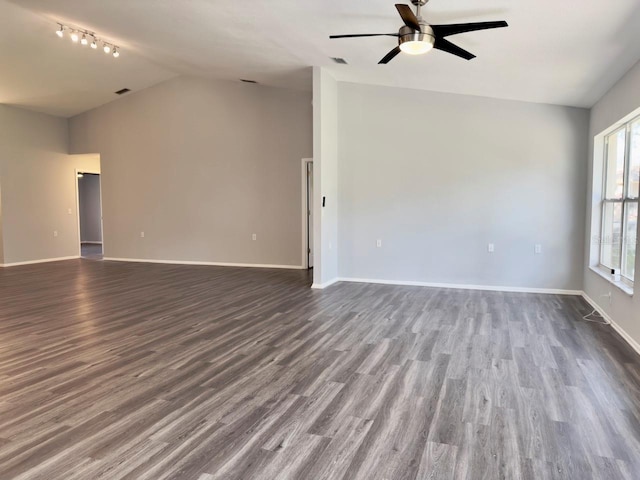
{"x": 85, "y": 37}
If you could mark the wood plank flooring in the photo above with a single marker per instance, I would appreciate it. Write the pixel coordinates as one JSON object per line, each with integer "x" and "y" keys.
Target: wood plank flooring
{"x": 132, "y": 371}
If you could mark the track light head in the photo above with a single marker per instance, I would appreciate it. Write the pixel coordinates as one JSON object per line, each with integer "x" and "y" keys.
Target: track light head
{"x": 116, "y": 53}
{"x": 94, "y": 44}
{"x": 106, "y": 48}
{"x": 60, "y": 32}
{"x": 74, "y": 37}
{"x": 84, "y": 40}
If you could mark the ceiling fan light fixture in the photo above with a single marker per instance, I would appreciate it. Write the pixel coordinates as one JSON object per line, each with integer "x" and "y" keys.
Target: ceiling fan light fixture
{"x": 416, "y": 43}
{"x": 416, "y": 47}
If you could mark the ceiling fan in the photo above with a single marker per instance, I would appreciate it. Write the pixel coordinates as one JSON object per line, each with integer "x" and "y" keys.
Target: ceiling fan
{"x": 416, "y": 36}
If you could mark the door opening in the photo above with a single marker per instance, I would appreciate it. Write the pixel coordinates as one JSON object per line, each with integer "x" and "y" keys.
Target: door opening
{"x": 90, "y": 215}
{"x": 307, "y": 213}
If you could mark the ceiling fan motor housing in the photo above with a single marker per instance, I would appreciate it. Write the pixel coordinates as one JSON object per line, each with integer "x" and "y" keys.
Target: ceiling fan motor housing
{"x": 407, "y": 34}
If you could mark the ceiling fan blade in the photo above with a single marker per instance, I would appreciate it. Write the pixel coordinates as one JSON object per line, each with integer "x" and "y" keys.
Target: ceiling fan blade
{"x": 390, "y": 56}
{"x": 408, "y": 17}
{"x": 455, "y": 28}
{"x": 356, "y": 35}
{"x": 447, "y": 46}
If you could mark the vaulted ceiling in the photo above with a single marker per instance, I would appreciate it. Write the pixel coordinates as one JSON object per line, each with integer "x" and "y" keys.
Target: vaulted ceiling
{"x": 565, "y": 52}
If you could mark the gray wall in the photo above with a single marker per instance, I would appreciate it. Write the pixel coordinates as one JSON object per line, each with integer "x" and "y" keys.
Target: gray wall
{"x": 325, "y": 158}
{"x": 38, "y": 187}
{"x": 437, "y": 177}
{"x": 89, "y": 205}
{"x": 620, "y": 101}
{"x": 200, "y": 166}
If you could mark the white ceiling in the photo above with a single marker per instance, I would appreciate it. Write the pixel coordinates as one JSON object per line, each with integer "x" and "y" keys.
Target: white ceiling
{"x": 565, "y": 52}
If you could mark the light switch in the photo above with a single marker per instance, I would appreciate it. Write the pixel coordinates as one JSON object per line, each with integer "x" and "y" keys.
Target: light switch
{"x": 538, "y": 249}
{"x": 379, "y": 243}
{"x": 491, "y": 248}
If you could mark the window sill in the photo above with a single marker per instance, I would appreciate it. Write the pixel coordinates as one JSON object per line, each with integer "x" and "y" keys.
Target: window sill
{"x": 626, "y": 288}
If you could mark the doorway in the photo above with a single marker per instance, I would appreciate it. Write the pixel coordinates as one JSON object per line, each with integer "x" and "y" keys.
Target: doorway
{"x": 90, "y": 215}
{"x": 307, "y": 213}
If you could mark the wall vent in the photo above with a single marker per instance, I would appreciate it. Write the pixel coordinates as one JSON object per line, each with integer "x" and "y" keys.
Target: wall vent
{"x": 247, "y": 81}
{"x": 123, "y": 91}
{"x": 339, "y": 60}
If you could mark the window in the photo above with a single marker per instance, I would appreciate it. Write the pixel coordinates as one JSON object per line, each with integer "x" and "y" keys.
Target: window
{"x": 620, "y": 202}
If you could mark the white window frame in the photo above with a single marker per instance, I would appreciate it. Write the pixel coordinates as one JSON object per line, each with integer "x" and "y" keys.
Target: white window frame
{"x": 624, "y": 201}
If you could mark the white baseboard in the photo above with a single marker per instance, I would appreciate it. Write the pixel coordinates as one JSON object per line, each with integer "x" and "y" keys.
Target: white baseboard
{"x": 321, "y": 286}
{"x": 33, "y": 262}
{"x": 491, "y": 288}
{"x": 625, "y": 336}
{"x": 208, "y": 264}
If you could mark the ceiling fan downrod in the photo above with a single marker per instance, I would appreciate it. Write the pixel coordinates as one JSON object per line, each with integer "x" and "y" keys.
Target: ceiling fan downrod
{"x": 419, "y": 4}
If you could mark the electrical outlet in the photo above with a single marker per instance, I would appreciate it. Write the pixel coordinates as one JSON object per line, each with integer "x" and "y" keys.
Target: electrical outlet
{"x": 379, "y": 243}
{"x": 55, "y": 233}
{"x": 254, "y": 237}
{"x": 141, "y": 234}
{"x": 491, "y": 248}
{"x": 538, "y": 249}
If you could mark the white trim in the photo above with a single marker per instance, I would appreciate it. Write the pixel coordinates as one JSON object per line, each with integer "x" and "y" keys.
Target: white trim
{"x": 209, "y": 264}
{"x": 321, "y": 286}
{"x": 33, "y": 262}
{"x": 88, "y": 242}
{"x": 77, "y": 186}
{"x": 492, "y": 288}
{"x": 625, "y": 336}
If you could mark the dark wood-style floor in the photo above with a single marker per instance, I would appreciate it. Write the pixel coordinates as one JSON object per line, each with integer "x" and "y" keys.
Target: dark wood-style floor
{"x": 131, "y": 371}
